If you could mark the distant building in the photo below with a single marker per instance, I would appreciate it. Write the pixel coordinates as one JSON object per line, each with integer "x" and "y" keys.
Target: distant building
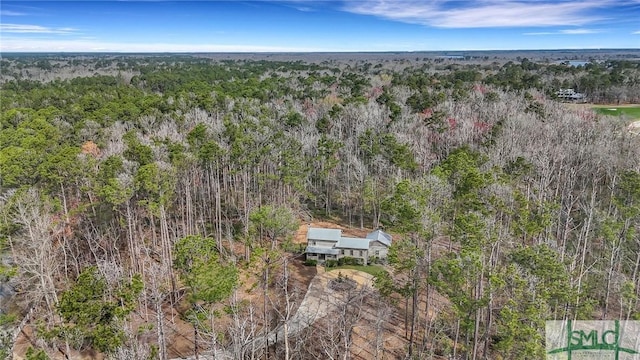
{"x": 570, "y": 94}
{"x": 329, "y": 244}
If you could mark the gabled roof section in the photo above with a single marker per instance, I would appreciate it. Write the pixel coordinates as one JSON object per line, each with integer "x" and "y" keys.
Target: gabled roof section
{"x": 353, "y": 243}
{"x": 322, "y": 250}
{"x": 324, "y": 234}
{"x": 381, "y": 236}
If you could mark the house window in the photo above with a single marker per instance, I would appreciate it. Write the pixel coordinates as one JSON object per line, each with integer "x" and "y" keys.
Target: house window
{"x": 377, "y": 252}
{"x": 313, "y": 242}
{"x": 342, "y": 251}
{"x": 360, "y": 253}
{"x": 351, "y": 252}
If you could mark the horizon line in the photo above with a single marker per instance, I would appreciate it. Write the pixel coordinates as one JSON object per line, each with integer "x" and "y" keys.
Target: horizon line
{"x": 312, "y": 52}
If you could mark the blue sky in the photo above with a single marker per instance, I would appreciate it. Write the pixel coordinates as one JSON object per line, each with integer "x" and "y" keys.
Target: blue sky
{"x": 302, "y": 25}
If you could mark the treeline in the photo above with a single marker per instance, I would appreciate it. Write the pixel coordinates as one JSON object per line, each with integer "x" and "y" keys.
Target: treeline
{"x": 156, "y": 185}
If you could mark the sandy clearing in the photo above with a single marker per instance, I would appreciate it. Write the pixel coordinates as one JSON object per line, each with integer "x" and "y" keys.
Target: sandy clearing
{"x": 362, "y": 278}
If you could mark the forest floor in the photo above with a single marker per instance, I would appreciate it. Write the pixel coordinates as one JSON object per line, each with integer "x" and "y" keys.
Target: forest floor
{"x": 178, "y": 332}
{"x": 315, "y": 302}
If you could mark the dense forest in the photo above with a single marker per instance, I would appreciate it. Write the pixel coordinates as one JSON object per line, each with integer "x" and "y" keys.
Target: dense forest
{"x": 147, "y": 198}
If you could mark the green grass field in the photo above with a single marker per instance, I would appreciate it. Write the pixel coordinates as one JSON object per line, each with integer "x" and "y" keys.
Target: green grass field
{"x": 369, "y": 269}
{"x": 632, "y": 112}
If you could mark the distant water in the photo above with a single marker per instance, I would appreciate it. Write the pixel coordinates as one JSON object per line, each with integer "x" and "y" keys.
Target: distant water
{"x": 574, "y": 62}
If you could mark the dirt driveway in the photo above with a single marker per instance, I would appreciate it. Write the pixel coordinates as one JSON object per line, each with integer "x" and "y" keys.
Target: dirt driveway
{"x": 319, "y": 301}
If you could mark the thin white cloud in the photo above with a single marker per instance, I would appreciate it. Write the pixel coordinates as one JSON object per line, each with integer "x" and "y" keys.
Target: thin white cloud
{"x": 565, "y": 32}
{"x": 11, "y": 13}
{"x": 482, "y": 14}
{"x": 87, "y": 45}
{"x": 636, "y": 32}
{"x": 300, "y": 5}
{"x": 578, "y": 31}
{"x": 34, "y": 29}
{"x": 540, "y": 33}
{"x": 304, "y": 8}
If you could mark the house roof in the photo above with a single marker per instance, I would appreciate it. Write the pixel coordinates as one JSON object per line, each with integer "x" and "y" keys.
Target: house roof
{"x": 324, "y": 234}
{"x": 322, "y": 250}
{"x": 335, "y": 235}
{"x": 353, "y": 243}
{"x": 381, "y": 236}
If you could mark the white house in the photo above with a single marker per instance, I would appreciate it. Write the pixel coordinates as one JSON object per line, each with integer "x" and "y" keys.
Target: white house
{"x": 329, "y": 244}
{"x": 569, "y": 94}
